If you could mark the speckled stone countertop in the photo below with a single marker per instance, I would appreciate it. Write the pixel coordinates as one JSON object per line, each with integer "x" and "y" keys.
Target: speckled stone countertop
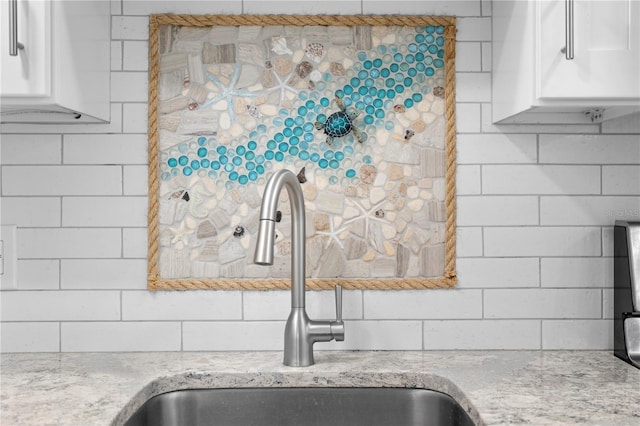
{"x": 496, "y": 388}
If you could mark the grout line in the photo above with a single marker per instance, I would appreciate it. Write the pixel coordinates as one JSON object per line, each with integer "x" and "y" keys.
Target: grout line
{"x": 59, "y": 274}
{"x": 539, "y": 272}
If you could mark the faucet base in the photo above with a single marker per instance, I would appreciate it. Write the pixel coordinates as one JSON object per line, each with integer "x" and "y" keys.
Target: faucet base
{"x": 298, "y": 346}
{"x": 301, "y": 333}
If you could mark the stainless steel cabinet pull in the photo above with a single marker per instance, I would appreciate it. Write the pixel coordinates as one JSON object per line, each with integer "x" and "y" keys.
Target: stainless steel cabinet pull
{"x": 568, "y": 29}
{"x": 14, "y": 44}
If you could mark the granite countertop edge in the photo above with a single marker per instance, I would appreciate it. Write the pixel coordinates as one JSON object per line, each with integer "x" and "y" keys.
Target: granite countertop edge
{"x": 192, "y": 380}
{"x": 494, "y": 387}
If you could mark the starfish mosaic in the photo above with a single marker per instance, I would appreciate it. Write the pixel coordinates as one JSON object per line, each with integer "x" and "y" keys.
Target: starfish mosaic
{"x": 229, "y": 91}
{"x": 369, "y": 215}
{"x": 283, "y": 86}
{"x": 333, "y": 234}
{"x": 181, "y": 234}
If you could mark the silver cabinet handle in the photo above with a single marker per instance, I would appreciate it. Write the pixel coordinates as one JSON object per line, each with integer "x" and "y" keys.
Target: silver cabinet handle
{"x": 568, "y": 29}
{"x": 14, "y": 44}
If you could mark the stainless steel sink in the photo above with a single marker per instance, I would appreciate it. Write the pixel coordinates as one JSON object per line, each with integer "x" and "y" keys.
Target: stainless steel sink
{"x": 301, "y": 407}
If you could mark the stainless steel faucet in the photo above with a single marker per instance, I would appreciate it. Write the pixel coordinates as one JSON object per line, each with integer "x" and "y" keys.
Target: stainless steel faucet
{"x": 300, "y": 332}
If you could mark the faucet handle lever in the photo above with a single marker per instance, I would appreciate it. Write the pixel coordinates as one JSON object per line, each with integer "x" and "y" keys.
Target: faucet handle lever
{"x": 338, "y": 291}
{"x": 337, "y": 326}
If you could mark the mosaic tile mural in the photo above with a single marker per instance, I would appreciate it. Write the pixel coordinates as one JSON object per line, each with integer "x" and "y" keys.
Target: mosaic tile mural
{"x": 357, "y": 112}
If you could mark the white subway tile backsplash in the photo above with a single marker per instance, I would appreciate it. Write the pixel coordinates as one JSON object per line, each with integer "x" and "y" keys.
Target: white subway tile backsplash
{"x": 468, "y": 180}
{"x": 135, "y": 180}
{"x": 468, "y": 118}
{"x": 61, "y": 180}
{"x": 486, "y": 7}
{"x": 29, "y": 337}
{"x": 487, "y": 272}
{"x": 104, "y": 211}
{"x": 181, "y": 305}
{"x": 577, "y": 272}
{"x": 116, "y": 56}
{"x": 492, "y": 149}
{"x": 607, "y": 304}
{"x": 120, "y": 336}
{"x": 497, "y": 210}
{"x": 103, "y": 274}
{"x": 468, "y": 57}
{"x": 131, "y": 86}
{"x": 542, "y": 241}
{"x": 473, "y": 87}
{"x": 474, "y": 29}
{"x": 60, "y": 305}
{"x": 296, "y": 7}
{"x": 590, "y": 149}
{"x": 481, "y": 334}
{"x": 542, "y": 303}
{"x": 135, "y": 56}
{"x": 130, "y": 27}
{"x": 134, "y": 242}
{"x": 536, "y": 207}
{"x": 105, "y": 149}
{"x": 540, "y": 180}
{"x": 418, "y": 7}
{"x": 469, "y": 242}
{"x": 146, "y": 7}
{"x": 607, "y": 237}
{"x": 423, "y": 304}
{"x": 379, "y": 335}
{"x": 233, "y": 336}
{"x": 61, "y": 243}
{"x": 597, "y": 210}
{"x": 116, "y": 7}
{"x": 31, "y": 211}
{"x": 276, "y": 305}
{"x": 38, "y": 274}
{"x": 621, "y": 180}
{"x": 30, "y": 149}
{"x": 135, "y": 118}
{"x": 577, "y": 334}
{"x": 487, "y": 55}
{"x": 269, "y": 305}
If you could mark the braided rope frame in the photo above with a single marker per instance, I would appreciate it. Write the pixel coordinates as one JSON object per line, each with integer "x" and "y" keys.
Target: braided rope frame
{"x": 155, "y": 282}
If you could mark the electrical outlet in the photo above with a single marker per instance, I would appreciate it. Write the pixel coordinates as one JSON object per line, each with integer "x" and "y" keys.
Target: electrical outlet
{"x": 8, "y": 258}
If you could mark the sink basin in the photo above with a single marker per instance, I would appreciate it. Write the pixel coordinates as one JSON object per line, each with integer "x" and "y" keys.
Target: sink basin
{"x": 301, "y": 407}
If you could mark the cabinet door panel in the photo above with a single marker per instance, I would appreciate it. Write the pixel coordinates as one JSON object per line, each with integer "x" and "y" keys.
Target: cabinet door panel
{"x": 28, "y": 74}
{"x": 606, "y": 45}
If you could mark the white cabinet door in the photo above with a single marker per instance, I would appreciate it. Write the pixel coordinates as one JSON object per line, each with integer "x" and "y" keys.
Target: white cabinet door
{"x": 606, "y": 62}
{"x": 29, "y": 73}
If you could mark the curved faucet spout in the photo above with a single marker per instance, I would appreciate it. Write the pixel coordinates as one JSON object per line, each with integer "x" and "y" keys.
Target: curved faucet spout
{"x": 266, "y": 232}
{"x": 300, "y": 332}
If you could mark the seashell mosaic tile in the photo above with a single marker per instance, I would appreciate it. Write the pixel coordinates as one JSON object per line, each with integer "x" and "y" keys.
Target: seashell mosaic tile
{"x": 357, "y": 113}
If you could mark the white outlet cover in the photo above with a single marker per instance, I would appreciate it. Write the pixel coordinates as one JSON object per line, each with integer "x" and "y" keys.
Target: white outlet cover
{"x": 9, "y": 258}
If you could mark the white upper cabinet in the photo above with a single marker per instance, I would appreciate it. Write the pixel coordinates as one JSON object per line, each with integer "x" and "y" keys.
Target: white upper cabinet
{"x": 60, "y": 71}
{"x": 565, "y": 61}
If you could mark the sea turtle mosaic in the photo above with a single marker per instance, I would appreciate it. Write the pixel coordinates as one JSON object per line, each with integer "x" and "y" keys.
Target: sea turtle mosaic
{"x": 340, "y": 123}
